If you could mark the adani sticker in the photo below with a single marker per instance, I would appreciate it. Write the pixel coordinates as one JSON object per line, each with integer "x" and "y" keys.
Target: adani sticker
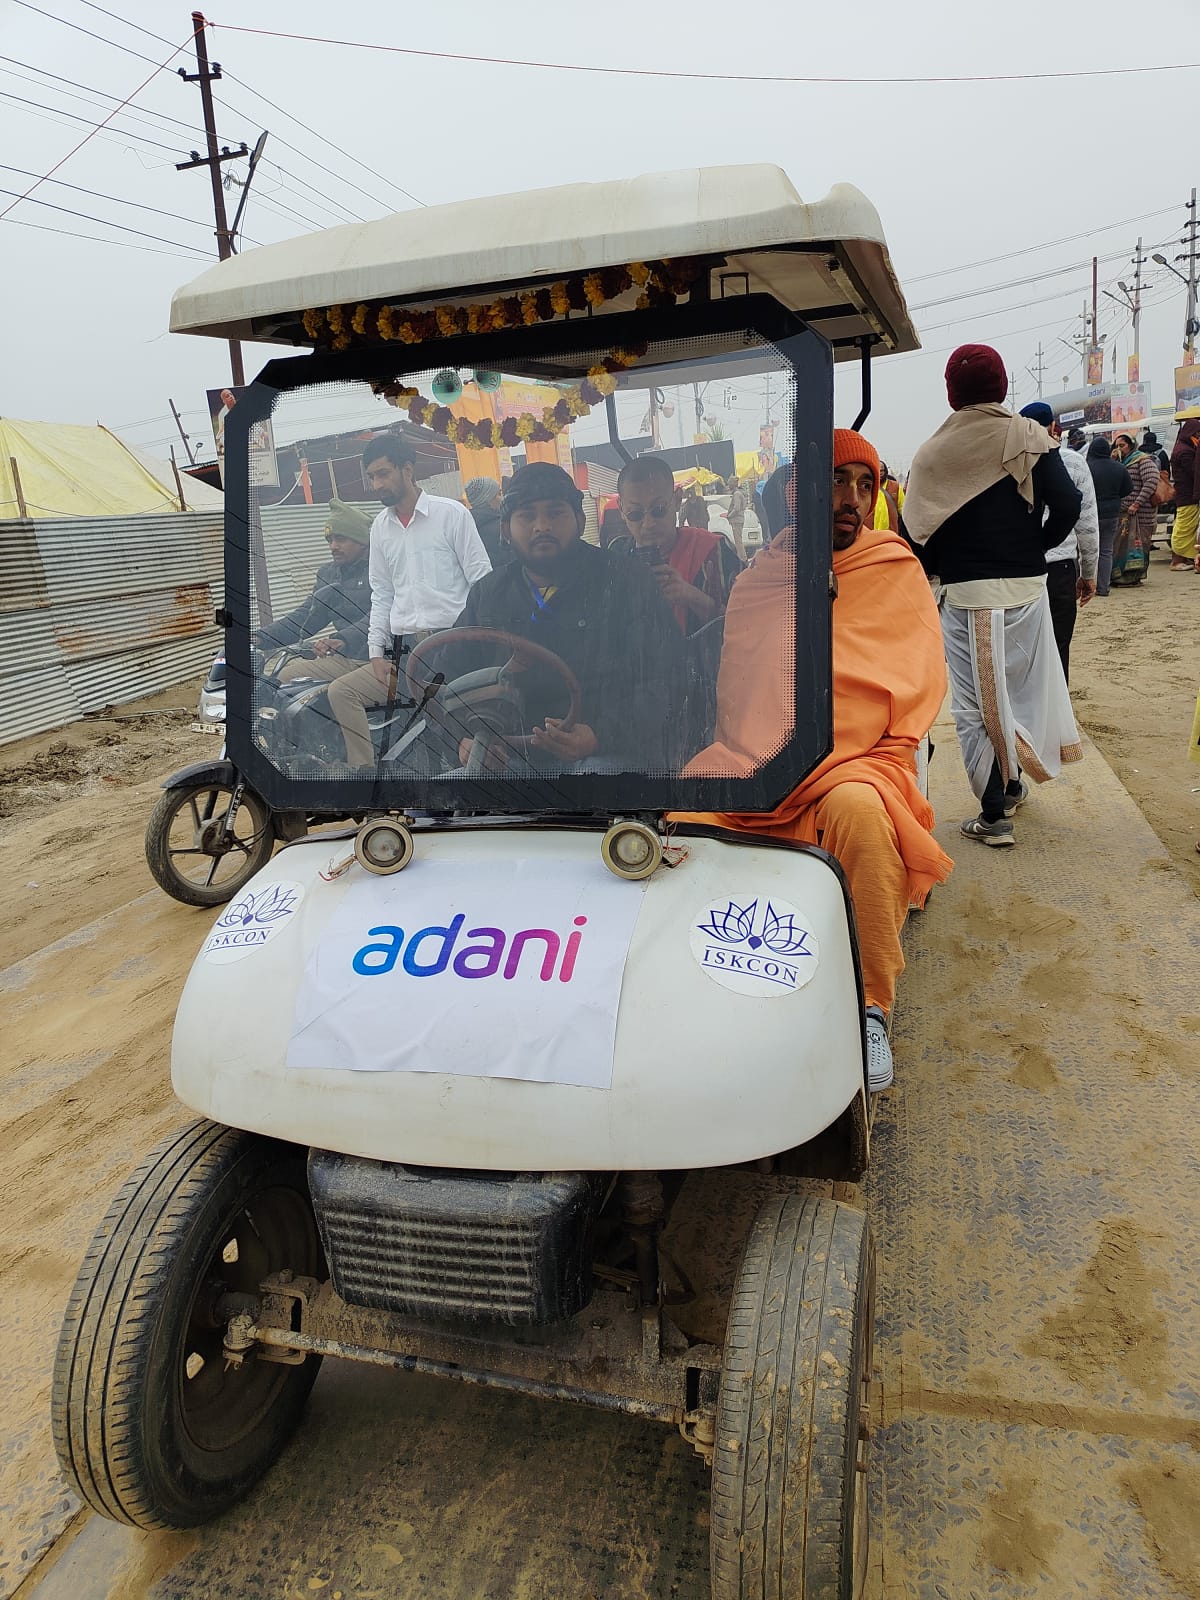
{"x": 760, "y": 947}
{"x": 499, "y": 969}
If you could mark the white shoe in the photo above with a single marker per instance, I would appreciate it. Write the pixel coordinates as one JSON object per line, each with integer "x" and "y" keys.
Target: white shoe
{"x": 880, "y": 1070}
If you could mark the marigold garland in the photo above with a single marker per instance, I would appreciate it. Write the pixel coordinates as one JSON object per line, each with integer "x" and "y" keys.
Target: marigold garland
{"x": 487, "y": 434}
{"x": 661, "y": 283}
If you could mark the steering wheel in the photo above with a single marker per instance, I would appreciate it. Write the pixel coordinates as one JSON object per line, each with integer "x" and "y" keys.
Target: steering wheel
{"x": 493, "y": 686}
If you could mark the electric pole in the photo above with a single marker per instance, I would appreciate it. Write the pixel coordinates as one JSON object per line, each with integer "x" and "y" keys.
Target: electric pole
{"x": 1189, "y": 347}
{"x": 1037, "y": 375}
{"x": 182, "y": 435}
{"x": 205, "y": 78}
{"x": 1136, "y": 375}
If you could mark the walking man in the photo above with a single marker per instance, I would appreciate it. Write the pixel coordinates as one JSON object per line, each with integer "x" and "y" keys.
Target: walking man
{"x": 1072, "y": 565}
{"x": 987, "y": 497}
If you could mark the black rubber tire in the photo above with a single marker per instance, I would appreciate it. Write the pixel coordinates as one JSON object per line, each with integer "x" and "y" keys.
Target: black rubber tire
{"x": 162, "y": 866}
{"x": 136, "y": 1442}
{"x": 789, "y": 1480}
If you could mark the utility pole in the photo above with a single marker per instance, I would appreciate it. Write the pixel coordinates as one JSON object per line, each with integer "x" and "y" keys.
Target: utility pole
{"x": 182, "y": 435}
{"x": 1136, "y": 375}
{"x": 1096, "y": 306}
{"x": 205, "y": 78}
{"x": 1189, "y": 347}
{"x": 1037, "y": 375}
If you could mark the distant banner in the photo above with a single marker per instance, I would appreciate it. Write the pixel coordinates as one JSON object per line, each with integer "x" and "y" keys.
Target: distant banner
{"x": 264, "y": 469}
{"x": 1095, "y": 364}
{"x": 1130, "y": 402}
{"x": 1134, "y": 369}
{"x": 1187, "y": 387}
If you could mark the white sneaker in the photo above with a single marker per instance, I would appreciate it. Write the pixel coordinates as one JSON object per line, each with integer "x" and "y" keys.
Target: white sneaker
{"x": 880, "y": 1070}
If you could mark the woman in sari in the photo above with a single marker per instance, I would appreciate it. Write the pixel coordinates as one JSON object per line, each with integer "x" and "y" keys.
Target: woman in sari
{"x": 1131, "y": 549}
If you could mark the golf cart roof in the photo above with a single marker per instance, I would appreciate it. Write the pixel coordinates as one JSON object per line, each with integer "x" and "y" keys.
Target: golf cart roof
{"x": 827, "y": 261}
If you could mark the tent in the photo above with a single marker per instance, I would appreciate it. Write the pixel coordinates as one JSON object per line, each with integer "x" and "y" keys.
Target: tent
{"x": 55, "y": 469}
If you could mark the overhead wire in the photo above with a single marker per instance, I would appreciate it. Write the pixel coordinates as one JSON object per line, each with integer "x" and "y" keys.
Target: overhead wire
{"x": 72, "y": 233}
{"x": 146, "y": 112}
{"x": 96, "y": 194}
{"x": 1048, "y": 244}
{"x": 104, "y": 222}
{"x": 92, "y": 131}
{"x": 886, "y": 80}
{"x": 273, "y": 104}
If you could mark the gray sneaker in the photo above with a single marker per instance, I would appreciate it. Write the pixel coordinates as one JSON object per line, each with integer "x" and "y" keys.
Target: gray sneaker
{"x": 880, "y": 1070}
{"x": 996, "y": 834}
{"x": 1014, "y": 802}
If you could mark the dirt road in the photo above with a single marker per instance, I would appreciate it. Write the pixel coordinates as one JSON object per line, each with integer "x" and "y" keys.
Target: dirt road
{"x": 1014, "y": 1348}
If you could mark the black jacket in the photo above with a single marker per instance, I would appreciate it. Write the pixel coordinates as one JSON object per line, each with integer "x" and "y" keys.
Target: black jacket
{"x": 1112, "y": 482}
{"x": 997, "y": 535}
{"x": 611, "y": 626}
{"x": 487, "y": 521}
{"x": 341, "y": 599}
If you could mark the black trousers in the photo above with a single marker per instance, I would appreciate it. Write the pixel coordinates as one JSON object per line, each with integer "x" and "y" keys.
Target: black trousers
{"x": 1060, "y": 587}
{"x": 996, "y": 791}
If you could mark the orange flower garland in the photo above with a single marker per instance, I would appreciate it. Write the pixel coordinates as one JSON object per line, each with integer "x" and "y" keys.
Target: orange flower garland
{"x": 660, "y": 283}
{"x": 487, "y": 434}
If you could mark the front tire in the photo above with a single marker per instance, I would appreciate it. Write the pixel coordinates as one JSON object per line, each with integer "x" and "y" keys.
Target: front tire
{"x": 190, "y": 852}
{"x": 789, "y": 1499}
{"x": 150, "y": 1427}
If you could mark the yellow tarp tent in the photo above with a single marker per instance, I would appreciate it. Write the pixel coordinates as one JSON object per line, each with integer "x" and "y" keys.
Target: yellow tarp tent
{"x": 70, "y": 471}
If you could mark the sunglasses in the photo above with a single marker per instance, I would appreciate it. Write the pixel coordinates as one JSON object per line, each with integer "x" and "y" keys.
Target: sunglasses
{"x": 639, "y": 513}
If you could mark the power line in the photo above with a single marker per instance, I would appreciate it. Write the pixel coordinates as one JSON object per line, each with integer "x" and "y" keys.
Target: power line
{"x": 1029, "y": 249}
{"x": 64, "y": 159}
{"x": 708, "y": 77}
{"x": 159, "y": 116}
{"x": 274, "y": 106}
{"x": 76, "y": 116}
{"x": 88, "y": 90}
{"x": 70, "y": 233}
{"x": 1013, "y": 283}
{"x": 96, "y": 194}
{"x": 104, "y": 222}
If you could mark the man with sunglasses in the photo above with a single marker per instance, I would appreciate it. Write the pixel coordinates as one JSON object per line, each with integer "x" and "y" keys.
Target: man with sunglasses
{"x": 601, "y": 613}
{"x": 340, "y": 601}
{"x": 693, "y": 567}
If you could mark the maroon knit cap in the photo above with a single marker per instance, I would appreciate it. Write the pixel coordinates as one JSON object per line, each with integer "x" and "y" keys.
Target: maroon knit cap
{"x": 975, "y": 374}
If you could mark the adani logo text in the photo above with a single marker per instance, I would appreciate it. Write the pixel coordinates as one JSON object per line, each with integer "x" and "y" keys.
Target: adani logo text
{"x": 478, "y": 953}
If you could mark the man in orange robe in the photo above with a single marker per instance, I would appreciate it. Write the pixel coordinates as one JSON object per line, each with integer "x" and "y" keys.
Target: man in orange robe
{"x": 862, "y": 803}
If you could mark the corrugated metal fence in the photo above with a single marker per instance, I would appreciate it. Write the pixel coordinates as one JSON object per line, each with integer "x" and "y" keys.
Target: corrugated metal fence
{"x": 98, "y": 611}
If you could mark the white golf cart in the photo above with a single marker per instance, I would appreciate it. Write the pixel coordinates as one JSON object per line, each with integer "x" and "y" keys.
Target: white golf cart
{"x": 452, "y": 1067}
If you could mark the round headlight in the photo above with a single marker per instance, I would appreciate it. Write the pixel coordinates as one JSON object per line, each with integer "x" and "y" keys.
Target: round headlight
{"x": 631, "y": 849}
{"x": 383, "y": 846}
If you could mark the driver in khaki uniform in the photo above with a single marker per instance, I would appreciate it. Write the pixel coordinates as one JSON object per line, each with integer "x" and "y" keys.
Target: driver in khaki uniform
{"x": 600, "y": 614}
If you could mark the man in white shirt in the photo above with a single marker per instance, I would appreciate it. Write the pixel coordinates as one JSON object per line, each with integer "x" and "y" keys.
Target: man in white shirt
{"x": 425, "y": 555}
{"x": 1070, "y": 566}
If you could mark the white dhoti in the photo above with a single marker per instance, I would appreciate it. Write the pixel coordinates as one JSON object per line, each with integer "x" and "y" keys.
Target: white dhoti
{"x": 1009, "y": 695}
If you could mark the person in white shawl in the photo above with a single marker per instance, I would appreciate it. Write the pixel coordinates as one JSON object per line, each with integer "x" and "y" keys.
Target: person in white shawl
{"x": 987, "y": 497}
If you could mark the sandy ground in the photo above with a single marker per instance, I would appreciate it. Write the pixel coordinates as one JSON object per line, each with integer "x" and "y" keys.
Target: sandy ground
{"x": 92, "y": 957}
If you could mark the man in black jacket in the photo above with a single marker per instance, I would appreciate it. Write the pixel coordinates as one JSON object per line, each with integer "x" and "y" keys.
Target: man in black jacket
{"x": 602, "y": 615}
{"x": 988, "y": 495}
{"x": 340, "y": 600}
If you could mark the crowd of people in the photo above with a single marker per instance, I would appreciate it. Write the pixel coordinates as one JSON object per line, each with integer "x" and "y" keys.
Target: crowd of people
{"x": 978, "y": 565}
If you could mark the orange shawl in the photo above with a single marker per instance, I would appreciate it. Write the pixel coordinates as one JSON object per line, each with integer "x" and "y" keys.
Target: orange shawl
{"x": 889, "y": 680}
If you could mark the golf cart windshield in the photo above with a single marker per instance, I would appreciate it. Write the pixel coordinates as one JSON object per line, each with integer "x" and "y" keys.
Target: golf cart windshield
{"x": 555, "y": 630}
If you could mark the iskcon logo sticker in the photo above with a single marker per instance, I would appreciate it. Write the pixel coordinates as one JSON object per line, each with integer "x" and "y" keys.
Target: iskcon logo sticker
{"x": 762, "y": 946}
{"x": 252, "y": 920}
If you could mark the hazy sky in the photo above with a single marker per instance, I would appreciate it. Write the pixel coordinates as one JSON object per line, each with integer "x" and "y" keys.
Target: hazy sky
{"x": 959, "y": 173}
